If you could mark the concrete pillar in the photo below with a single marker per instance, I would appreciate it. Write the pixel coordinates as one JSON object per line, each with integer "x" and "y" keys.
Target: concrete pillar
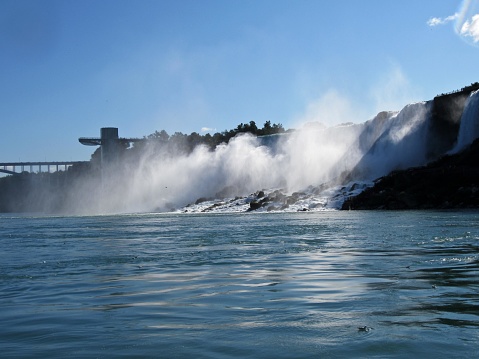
{"x": 109, "y": 159}
{"x": 109, "y": 145}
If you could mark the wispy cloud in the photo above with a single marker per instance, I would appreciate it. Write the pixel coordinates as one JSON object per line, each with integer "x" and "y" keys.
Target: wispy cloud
{"x": 207, "y": 129}
{"x": 435, "y": 21}
{"x": 467, "y": 21}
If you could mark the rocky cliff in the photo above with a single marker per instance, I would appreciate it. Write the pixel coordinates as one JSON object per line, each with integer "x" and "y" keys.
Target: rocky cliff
{"x": 451, "y": 182}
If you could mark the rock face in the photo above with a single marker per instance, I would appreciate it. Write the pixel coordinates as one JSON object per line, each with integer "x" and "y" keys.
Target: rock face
{"x": 419, "y": 133}
{"x": 445, "y": 121}
{"x": 451, "y": 182}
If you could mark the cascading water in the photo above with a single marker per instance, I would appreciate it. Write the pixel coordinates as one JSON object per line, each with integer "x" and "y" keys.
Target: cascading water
{"x": 313, "y": 168}
{"x": 400, "y": 145}
{"x": 469, "y": 128}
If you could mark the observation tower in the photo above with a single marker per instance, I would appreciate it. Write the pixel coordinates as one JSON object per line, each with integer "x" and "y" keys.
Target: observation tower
{"x": 109, "y": 143}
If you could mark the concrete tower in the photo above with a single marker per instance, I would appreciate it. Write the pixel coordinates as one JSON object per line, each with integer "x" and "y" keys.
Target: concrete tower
{"x": 110, "y": 145}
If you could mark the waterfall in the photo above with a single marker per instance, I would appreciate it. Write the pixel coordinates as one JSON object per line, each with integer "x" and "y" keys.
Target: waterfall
{"x": 469, "y": 128}
{"x": 401, "y": 144}
{"x": 309, "y": 157}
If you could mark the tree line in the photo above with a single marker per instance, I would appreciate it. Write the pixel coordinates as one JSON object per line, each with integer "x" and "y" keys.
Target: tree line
{"x": 212, "y": 141}
{"x": 160, "y": 142}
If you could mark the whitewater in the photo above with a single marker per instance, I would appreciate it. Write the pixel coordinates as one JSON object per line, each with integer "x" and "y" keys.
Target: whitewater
{"x": 310, "y": 169}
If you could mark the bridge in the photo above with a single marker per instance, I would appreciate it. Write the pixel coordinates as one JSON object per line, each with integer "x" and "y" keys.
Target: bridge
{"x": 13, "y": 168}
{"x": 109, "y": 142}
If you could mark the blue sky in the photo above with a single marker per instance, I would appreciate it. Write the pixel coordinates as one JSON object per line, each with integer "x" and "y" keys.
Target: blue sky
{"x": 68, "y": 67}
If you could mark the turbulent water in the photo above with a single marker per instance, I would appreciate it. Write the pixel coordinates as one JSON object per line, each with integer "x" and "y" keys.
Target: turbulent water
{"x": 283, "y": 285}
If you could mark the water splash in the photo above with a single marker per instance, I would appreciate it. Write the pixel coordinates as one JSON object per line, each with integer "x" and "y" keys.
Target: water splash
{"x": 400, "y": 145}
{"x": 309, "y": 167}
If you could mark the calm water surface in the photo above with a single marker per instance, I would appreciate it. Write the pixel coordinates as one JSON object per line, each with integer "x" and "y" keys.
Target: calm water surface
{"x": 251, "y": 285}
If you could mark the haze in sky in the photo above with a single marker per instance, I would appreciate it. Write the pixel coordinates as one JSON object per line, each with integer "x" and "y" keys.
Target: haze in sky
{"x": 68, "y": 68}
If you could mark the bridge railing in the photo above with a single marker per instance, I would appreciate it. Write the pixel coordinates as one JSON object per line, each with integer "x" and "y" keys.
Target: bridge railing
{"x": 36, "y": 167}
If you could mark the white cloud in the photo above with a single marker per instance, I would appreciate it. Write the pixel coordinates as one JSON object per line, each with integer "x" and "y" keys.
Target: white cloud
{"x": 466, "y": 19}
{"x": 208, "y": 129}
{"x": 435, "y": 21}
{"x": 470, "y": 28}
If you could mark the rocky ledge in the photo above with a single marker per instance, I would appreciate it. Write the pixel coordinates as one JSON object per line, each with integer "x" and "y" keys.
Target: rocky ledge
{"x": 451, "y": 182}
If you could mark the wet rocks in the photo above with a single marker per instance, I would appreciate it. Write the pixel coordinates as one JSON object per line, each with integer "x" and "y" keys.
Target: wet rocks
{"x": 451, "y": 182}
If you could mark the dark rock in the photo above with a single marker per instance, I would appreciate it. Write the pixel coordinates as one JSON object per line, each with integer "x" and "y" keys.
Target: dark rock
{"x": 254, "y": 205}
{"x": 265, "y": 200}
{"x": 450, "y": 182}
{"x": 445, "y": 122}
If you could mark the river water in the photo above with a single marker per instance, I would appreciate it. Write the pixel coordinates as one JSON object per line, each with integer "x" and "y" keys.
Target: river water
{"x": 282, "y": 285}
